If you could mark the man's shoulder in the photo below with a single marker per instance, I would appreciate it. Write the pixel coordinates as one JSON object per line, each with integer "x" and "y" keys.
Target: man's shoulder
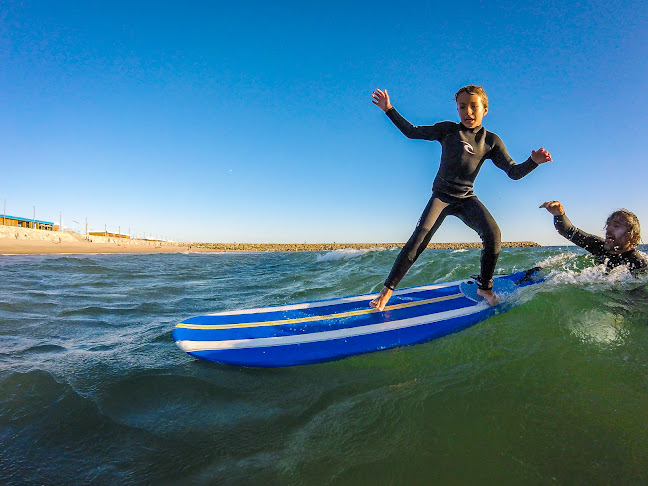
{"x": 640, "y": 257}
{"x": 637, "y": 262}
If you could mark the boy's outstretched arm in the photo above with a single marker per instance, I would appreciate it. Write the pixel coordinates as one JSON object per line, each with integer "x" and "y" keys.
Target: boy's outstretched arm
{"x": 541, "y": 156}
{"x": 381, "y": 100}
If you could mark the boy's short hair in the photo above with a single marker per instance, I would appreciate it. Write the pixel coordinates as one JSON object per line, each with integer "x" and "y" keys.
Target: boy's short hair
{"x": 473, "y": 89}
{"x": 634, "y": 228}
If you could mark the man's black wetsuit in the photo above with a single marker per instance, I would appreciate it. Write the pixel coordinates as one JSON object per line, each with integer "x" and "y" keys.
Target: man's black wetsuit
{"x": 463, "y": 152}
{"x": 636, "y": 261}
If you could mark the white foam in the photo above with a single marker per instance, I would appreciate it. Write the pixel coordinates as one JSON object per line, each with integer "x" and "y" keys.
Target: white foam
{"x": 596, "y": 277}
{"x": 556, "y": 260}
{"x": 345, "y": 253}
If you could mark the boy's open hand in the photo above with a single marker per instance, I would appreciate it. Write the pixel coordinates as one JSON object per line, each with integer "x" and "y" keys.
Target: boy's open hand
{"x": 554, "y": 207}
{"x": 541, "y": 156}
{"x": 381, "y": 99}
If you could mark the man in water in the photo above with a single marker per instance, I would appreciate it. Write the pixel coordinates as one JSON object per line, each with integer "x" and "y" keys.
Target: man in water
{"x": 622, "y": 235}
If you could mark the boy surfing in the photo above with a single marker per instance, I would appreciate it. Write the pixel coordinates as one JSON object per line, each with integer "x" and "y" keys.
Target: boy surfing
{"x": 465, "y": 146}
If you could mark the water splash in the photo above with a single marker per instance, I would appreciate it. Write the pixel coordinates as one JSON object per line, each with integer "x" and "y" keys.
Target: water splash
{"x": 346, "y": 253}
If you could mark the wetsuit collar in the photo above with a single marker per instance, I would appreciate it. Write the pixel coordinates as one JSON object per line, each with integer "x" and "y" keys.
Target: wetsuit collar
{"x": 471, "y": 130}
{"x": 625, "y": 254}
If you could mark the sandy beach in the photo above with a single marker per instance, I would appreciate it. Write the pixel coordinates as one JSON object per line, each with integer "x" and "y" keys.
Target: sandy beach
{"x": 16, "y": 241}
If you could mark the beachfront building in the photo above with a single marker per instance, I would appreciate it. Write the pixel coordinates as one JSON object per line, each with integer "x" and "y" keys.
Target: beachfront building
{"x": 109, "y": 234}
{"x": 7, "y": 220}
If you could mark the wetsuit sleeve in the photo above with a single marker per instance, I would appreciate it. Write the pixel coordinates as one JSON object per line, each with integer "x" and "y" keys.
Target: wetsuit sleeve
{"x": 425, "y": 132}
{"x": 500, "y": 157}
{"x": 638, "y": 263}
{"x": 591, "y": 243}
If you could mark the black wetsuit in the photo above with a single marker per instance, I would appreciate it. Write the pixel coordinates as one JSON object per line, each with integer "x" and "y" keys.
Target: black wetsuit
{"x": 463, "y": 153}
{"x": 636, "y": 261}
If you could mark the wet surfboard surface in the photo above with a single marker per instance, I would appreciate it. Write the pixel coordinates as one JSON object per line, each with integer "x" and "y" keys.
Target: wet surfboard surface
{"x": 326, "y": 330}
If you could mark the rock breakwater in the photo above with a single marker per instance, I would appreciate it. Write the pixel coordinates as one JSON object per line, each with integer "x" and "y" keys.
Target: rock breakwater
{"x": 341, "y": 246}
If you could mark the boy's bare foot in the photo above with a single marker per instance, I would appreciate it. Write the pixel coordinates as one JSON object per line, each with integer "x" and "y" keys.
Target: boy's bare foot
{"x": 489, "y": 296}
{"x": 381, "y": 301}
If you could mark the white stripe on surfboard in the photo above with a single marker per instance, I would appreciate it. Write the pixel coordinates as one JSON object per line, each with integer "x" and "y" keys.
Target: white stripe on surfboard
{"x": 191, "y": 346}
{"x": 301, "y": 320}
{"x": 345, "y": 300}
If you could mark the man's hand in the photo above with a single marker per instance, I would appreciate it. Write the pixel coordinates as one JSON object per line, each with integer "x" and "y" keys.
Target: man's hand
{"x": 554, "y": 207}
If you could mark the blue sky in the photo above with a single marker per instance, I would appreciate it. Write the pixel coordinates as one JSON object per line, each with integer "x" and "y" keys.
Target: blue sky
{"x": 253, "y": 122}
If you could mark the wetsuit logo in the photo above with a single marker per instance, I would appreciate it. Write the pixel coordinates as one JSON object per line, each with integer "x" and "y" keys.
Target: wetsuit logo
{"x": 468, "y": 148}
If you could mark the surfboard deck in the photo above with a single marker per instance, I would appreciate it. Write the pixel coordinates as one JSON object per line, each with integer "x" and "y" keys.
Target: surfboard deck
{"x": 326, "y": 330}
{"x": 503, "y": 287}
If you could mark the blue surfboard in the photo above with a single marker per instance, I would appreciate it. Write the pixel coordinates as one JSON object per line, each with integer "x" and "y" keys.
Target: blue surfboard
{"x": 326, "y": 330}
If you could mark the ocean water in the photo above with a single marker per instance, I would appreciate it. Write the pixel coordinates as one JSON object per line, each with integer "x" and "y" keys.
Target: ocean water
{"x": 94, "y": 391}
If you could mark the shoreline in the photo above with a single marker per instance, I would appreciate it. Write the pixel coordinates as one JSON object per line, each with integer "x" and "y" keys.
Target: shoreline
{"x": 25, "y": 241}
{"x": 342, "y": 246}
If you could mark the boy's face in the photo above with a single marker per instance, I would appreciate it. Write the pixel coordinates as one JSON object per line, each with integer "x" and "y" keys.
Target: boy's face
{"x": 471, "y": 110}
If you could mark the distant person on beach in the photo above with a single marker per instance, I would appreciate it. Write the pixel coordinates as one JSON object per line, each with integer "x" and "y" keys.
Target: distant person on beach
{"x": 465, "y": 146}
{"x": 622, "y": 235}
